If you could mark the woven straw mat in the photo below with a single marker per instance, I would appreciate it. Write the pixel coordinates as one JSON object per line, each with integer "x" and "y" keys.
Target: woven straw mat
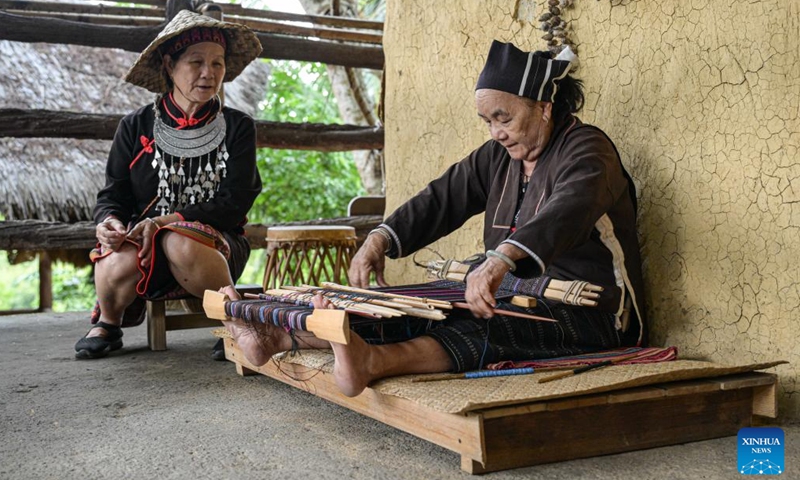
{"x": 459, "y": 396}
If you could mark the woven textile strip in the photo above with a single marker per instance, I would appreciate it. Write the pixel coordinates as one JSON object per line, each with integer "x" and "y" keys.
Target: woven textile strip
{"x": 446, "y": 290}
{"x": 280, "y": 313}
{"x": 645, "y": 355}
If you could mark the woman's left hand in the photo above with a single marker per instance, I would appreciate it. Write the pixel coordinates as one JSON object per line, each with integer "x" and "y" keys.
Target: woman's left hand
{"x": 142, "y": 233}
{"x": 482, "y": 284}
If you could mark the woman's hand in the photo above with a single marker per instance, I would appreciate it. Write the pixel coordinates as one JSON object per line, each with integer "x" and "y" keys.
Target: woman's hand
{"x": 369, "y": 258}
{"x": 482, "y": 284}
{"x": 142, "y": 233}
{"x": 110, "y": 234}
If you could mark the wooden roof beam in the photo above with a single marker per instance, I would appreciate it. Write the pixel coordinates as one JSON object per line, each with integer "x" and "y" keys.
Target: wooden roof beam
{"x": 43, "y": 235}
{"x": 19, "y": 123}
{"x": 158, "y": 11}
{"x": 32, "y": 6}
{"x": 134, "y": 39}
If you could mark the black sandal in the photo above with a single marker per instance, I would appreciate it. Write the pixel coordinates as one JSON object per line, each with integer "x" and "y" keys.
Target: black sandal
{"x": 218, "y": 352}
{"x": 99, "y": 347}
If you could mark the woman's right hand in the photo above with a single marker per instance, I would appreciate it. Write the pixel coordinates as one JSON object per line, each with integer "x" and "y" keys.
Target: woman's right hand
{"x": 369, "y": 258}
{"x": 110, "y": 233}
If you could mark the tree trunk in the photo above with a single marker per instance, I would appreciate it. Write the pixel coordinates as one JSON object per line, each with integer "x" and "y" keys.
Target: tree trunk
{"x": 355, "y": 106}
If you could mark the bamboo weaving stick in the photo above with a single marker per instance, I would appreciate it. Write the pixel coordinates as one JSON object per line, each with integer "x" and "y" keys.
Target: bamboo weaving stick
{"x": 430, "y": 301}
{"x": 586, "y": 368}
{"x": 509, "y": 313}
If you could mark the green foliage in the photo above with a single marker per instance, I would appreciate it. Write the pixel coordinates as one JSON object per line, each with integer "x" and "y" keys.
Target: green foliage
{"x": 302, "y": 185}
{"x": 73, "y": 288}
{"x": 19, "y": 286}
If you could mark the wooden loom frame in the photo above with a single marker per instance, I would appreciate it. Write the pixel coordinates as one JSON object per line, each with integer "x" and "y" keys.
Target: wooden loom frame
{"x": 504, "y": 437}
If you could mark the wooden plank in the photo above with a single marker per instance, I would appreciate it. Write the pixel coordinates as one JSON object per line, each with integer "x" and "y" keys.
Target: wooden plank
{"x": 30, "y": 6}
{"x": 552, "y": 436}
{"x": 95, "y": 19}
{"x": 334, "y": 21}
{"x": 765, "y": 399}
{"x": 244, "y": 371}
{"x": 459, "y": 433}
{"x": 21, "y": 123}
{"x": 691, "y": 387}
{"x": 183, "y": 321}
{"x": 635, "y": 394}
{"x": 744, "y": 380}
{"x": 42, "y": 235}
{"x": 577, "y": 402}
{"x": 267, "y": 26}
{"x": 22, "y": 28}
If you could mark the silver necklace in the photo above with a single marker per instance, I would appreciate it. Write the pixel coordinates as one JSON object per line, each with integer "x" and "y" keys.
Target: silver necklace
{"x": 176, "y": 154}
{"x": 188, "y": 143}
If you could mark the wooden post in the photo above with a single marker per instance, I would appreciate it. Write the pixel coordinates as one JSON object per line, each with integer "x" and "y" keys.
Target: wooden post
{"x": 45, "y": 282}
{"x": 157, "y": 325}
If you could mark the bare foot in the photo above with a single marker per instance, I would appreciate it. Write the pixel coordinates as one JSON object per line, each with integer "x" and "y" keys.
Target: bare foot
{"x": 353, "y": 365}
{"x": 259, "y": 342}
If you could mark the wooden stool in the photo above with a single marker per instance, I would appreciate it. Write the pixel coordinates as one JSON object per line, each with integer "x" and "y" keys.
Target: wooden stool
{"x": 308, "y": 255}
{"x": 192, "y": 316}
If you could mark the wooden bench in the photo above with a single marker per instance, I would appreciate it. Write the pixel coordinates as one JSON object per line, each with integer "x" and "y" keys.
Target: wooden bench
{"x": 525, "y": 434}
{"x": 160, "y": 321}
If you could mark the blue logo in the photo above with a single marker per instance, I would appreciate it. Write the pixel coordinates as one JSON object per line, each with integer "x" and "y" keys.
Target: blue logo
{"x": 761, "y": 451}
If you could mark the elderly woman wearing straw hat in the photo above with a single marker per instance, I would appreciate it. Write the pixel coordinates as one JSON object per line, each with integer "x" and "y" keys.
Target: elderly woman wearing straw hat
{"x": 180, "y": 178}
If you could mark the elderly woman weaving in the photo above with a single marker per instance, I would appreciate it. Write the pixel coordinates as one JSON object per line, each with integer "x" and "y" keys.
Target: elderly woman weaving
{"x": 180, "y": 178}
{"x": 557, "y": 204}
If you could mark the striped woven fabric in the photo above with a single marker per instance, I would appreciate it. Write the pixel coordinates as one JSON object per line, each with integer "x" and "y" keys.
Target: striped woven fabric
{"x": 645, "y": 355}
{"x": 446, "y": 290}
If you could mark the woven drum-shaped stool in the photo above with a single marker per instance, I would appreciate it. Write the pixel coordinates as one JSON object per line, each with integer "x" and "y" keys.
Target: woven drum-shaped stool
{"x": 308, "y": 255}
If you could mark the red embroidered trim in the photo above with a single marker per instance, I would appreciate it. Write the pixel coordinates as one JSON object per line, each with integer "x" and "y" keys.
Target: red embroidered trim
{"x": 147, "y": 146}
{"x": 185, "y": 121}
{"x": 182, "y": 122}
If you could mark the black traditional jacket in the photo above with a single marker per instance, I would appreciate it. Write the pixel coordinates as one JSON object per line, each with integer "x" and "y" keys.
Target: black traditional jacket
{"x": 132, "y": 177}
{"x": 577, "y": 219}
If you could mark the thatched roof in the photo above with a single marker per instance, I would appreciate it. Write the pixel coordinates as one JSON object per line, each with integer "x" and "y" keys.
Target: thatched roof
{"x": 57, "y": 179}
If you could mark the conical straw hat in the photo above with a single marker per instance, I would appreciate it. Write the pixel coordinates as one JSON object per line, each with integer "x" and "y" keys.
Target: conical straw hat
{"x": 243, "y": 47}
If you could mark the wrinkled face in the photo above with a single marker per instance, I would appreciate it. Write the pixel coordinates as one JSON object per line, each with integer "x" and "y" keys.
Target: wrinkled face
{"x": 522, "y": 126}
{"x": 197, "y": 74}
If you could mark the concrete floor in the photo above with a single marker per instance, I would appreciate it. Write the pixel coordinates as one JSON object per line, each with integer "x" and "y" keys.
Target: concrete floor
{"x": 177, "y": 414}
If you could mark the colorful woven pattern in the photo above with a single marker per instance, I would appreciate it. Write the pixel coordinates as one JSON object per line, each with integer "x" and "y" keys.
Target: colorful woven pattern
{"x": 276, "y": 311}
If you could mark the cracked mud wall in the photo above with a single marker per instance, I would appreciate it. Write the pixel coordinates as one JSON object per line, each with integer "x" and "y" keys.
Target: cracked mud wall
{"x": 701, "y": 99}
